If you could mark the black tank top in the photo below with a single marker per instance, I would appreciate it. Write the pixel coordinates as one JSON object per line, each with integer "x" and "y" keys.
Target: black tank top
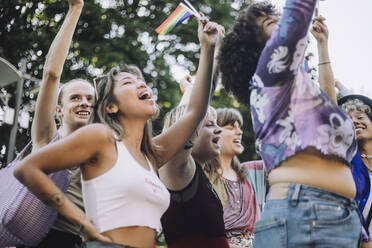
{"x": 194, "y": 211}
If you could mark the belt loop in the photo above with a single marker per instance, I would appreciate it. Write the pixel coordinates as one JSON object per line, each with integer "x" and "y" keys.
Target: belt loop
{"x": 296, "y": 192}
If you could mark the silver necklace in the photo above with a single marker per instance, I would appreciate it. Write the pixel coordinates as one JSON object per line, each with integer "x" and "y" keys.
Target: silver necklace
{"x": 366, "y": 156}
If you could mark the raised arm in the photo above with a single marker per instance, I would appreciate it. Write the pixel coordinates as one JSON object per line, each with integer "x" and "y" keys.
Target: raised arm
{"x": 186, "y": 84}
{"x": 342, "y": 88}
{"x": 80, "y": 147}
{"x": 172, "y": 140}
{"x": 43, "y": 126}
{"x": 326, "y": 78}
{"x": 284, "y": 51}
{"x": 216, "y": 72}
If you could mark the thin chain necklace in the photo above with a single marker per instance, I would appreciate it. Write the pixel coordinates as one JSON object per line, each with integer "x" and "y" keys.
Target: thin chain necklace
{"x": 366, "y": 156}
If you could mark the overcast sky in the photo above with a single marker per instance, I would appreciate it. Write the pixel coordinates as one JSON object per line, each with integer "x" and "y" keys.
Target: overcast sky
{"x": 350, "y": 41}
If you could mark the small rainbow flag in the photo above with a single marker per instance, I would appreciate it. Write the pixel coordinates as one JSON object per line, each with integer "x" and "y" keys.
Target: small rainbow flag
{"x": 180, "y": 14}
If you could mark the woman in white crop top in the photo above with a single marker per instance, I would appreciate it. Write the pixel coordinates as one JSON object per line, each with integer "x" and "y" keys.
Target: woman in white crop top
{"x": 118, "y": 158}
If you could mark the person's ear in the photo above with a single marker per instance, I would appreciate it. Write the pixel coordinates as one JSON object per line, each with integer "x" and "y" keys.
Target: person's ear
{"x": 112, "y": 108}
{"x": 59, "y": 111}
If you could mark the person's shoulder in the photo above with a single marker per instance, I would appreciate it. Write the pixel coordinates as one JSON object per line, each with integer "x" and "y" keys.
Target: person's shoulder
{"x": 96, "y": 132}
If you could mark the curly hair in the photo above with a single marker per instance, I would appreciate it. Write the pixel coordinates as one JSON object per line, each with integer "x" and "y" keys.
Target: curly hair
{"x": 241, "y": 49}
{"x": 356, "y": 105}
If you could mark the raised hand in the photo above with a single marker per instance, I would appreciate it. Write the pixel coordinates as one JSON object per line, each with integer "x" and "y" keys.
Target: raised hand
{"x": 207, "y": 32}
{"x": 75, "y": 3}
{"x": 319, "y": 29}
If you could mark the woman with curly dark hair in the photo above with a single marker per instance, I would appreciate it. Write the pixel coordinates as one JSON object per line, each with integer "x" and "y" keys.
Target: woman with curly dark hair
{"x": 242, "y": 48}
{"x": 305, "y": 140}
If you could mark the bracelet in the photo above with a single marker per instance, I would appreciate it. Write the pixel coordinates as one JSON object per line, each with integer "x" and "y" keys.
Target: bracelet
{"x": 80, "y": 228}
{"x": 324, "y": 63}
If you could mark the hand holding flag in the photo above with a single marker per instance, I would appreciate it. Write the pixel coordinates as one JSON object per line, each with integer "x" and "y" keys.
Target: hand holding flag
{"x": 179, "y": 15}
{"x": 319, "y": 29}
{"x": 207, "y": 32}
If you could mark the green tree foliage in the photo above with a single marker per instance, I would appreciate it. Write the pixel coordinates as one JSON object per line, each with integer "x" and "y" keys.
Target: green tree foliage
{"x": 109, "y": 33}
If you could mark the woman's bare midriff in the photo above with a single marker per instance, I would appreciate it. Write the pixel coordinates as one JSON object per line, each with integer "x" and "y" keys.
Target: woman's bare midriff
{"x": 136, "y": 236}
{"x": 308, "y": 168}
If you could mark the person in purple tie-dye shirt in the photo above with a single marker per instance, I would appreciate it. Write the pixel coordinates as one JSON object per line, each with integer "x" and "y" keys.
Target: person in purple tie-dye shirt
{"x": 305, "y": 139}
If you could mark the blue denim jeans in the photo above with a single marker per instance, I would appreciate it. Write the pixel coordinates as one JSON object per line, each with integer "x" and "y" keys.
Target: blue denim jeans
{"x": 99, "y": 244}
{"x": 309, "y": 217}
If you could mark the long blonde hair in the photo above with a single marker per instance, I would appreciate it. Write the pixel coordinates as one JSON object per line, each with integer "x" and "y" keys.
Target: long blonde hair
{"x": 176, "y": 113}
{"x": 105, "y": 96}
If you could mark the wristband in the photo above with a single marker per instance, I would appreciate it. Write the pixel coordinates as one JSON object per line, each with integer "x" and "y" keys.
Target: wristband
{"x": 324, "y": 63}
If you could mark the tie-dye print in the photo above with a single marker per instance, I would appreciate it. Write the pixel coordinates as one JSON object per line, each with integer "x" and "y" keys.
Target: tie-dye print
{"x": 289, "y": 112}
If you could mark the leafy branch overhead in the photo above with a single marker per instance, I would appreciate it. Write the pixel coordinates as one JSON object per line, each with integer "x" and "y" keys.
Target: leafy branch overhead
{"x": 109, "y": 33}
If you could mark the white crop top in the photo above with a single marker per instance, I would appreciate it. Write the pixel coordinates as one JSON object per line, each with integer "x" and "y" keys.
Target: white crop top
{"x": 126, "y": 195}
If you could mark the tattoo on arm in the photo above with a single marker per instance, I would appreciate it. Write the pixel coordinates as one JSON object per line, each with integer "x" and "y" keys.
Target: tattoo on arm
{"x": 55, "y": 200}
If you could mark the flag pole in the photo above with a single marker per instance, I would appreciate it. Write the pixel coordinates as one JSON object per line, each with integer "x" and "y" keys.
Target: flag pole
{"x": 196, "y": 13}
{"x": 317, "y": 8}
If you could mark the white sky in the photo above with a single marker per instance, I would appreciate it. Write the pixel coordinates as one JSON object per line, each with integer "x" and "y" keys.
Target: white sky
{"x": 350, "y": 41}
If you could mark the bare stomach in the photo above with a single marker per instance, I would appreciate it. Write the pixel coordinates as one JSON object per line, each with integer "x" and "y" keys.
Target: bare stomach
{"x": 136, "y": 236}
{"x": 309, "y": 168}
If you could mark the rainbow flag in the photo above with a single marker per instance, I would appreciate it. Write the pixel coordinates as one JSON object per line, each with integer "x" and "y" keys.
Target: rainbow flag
{"x": 180, "y": 14}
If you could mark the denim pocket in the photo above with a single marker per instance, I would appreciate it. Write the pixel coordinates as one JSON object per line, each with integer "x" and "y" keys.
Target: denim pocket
{"x": 331, "y": 214}
{"x": 270, "y": 232}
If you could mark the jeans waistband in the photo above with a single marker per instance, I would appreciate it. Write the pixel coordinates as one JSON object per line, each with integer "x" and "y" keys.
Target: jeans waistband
{"x": 293, "y": 192}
